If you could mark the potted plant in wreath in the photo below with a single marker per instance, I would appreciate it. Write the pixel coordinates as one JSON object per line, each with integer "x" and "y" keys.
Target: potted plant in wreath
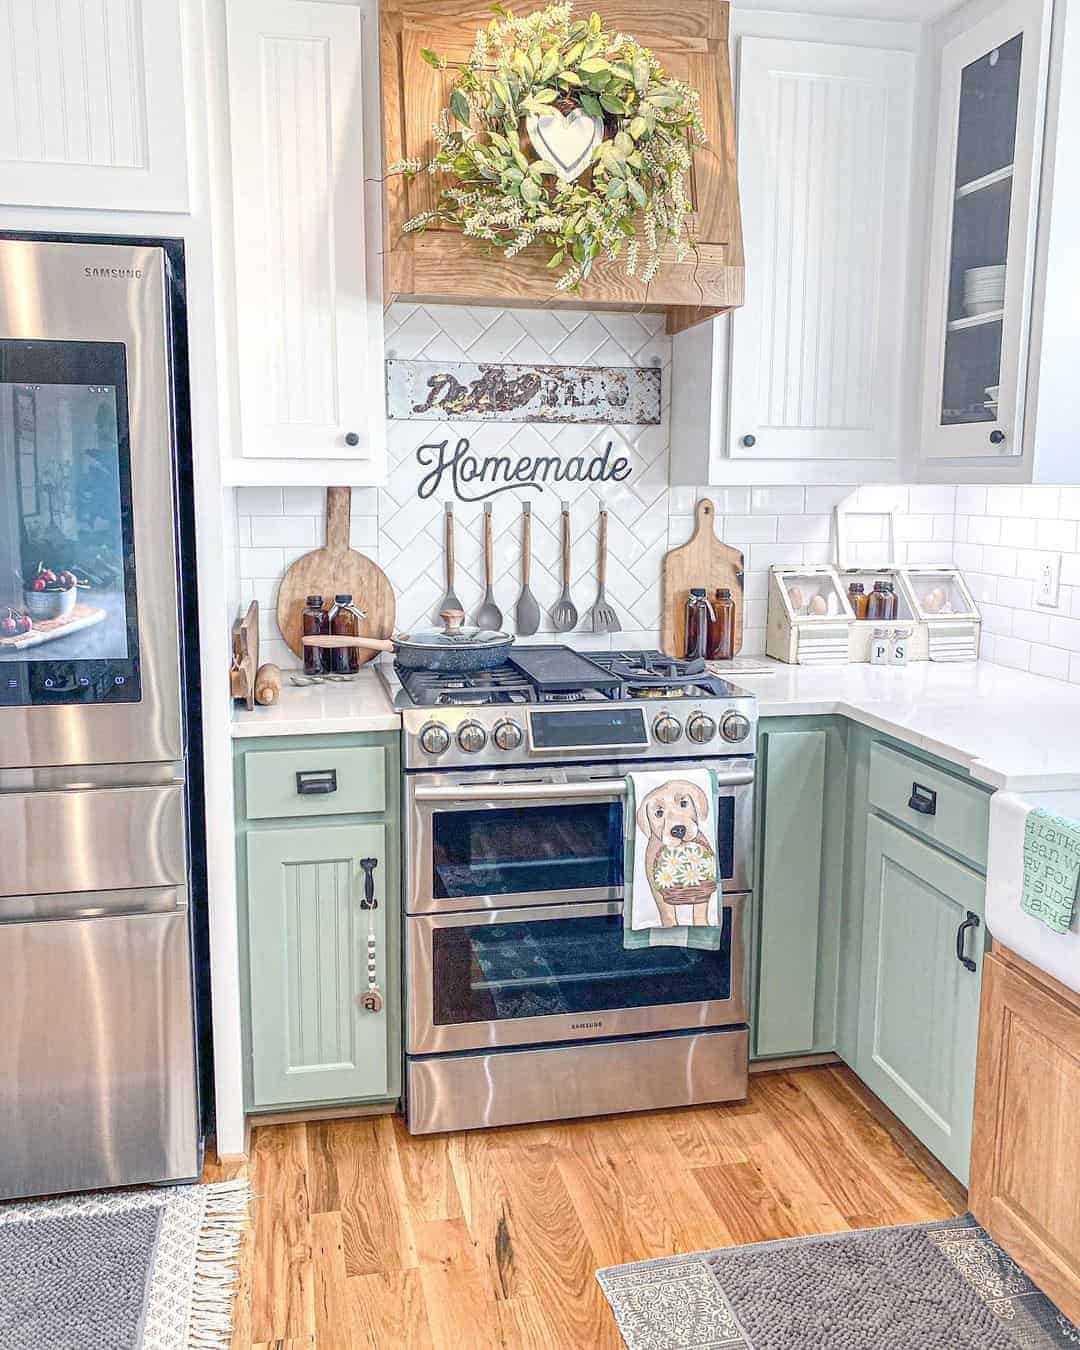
{"x": 562, "y": 134}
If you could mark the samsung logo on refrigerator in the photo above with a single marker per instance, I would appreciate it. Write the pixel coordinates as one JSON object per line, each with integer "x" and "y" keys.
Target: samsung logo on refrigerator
{"x": 114, "y": 273}
{"x": 586, "y": 1026}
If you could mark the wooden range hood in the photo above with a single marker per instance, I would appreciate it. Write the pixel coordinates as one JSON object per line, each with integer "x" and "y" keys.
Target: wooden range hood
{"x": 690, "y": 38}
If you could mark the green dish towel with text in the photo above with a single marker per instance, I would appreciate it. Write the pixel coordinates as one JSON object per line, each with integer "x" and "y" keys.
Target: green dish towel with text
{"x": 1051, "y": 868}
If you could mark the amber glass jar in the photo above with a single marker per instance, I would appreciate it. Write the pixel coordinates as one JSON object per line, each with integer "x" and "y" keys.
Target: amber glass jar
{"x": 344, "y": 622}
{"x": 877, "y": 602}
{"x": 315, "y": 622}
{"x": 722, "y": 627}
{"x": 860, "y": 601}
{"x": 698, "y": 614}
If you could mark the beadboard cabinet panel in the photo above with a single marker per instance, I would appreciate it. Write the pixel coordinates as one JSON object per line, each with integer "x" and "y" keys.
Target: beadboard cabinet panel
{"x": 309, "y": 388}
{"x": 825, "y": 170}
{"x": 92, "y": 105}
{"x": 308, "y": 964}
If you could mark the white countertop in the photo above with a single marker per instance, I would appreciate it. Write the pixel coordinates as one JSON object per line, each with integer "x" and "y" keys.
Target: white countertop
{"x": 1008, "y": 728}
{"x": 319, "y": 709}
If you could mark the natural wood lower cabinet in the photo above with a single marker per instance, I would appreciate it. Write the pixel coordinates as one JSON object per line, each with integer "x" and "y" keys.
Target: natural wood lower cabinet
{"x": 1025, "y": 1184}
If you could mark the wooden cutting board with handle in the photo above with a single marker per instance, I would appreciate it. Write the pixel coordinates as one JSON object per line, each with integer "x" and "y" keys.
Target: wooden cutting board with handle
{"x": 704, "y": 561}
{"x": 333, "y": 570}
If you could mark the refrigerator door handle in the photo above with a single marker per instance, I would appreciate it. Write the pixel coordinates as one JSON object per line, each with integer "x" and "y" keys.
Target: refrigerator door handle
{"x": 80, "y": 905}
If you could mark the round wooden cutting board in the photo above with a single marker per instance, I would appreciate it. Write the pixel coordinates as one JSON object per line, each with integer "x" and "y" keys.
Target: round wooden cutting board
{"x": 336, "y": 569}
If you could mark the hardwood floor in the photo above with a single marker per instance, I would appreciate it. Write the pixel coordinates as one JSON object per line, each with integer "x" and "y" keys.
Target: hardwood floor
{"x": 365, "y": 1236}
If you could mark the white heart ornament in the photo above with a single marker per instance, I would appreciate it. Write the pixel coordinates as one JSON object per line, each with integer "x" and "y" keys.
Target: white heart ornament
{"x": 568, "y": 142}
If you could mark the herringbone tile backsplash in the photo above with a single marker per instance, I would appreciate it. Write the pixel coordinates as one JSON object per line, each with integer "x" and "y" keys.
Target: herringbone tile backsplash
{"x": 646, "y": 517}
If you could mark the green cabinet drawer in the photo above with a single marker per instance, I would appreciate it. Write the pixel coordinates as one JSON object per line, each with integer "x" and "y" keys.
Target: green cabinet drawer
{"x": 919, "y": 1002}
{"x": 336, "y": 781}
{"x": 311, "y": 1038}
{"x": 954, "y": 813}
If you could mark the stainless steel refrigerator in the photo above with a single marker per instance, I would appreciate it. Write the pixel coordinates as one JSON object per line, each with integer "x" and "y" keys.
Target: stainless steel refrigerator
{"x": 99, "y": 864}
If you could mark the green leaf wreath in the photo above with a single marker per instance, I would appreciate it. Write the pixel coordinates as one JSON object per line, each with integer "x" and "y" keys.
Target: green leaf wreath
{"x": 635, "y": 187}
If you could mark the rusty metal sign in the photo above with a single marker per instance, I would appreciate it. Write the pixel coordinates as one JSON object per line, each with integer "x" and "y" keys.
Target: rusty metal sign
{"x": 445, "y": 391}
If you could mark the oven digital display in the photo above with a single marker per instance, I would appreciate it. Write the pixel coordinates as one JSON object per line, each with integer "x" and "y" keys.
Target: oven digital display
{"x": 604, "y": 728}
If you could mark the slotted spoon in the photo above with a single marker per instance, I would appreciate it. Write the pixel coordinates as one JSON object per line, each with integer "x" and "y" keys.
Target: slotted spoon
{"x": 603, "y": 616}
{"x": 564, "y": 615}
{"x": 489, "y": 615}
{"x": 449, "y": 600}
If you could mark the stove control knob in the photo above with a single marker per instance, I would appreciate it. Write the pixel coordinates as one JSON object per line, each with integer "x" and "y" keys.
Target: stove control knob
{"x": 667, "y": 729}
{"x": 735, "y": 727}
{"x": 701, "y": 728}
{"x": 434, "y": 738}
{"x": 507, "y": 735}
{"x": 471, "y": 737}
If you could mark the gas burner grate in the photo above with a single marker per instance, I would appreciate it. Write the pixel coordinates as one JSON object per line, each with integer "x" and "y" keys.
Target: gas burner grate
{"x": 504, "y": 684}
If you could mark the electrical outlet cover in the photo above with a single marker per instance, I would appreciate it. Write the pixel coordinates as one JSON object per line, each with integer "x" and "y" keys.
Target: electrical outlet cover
{"x": 1048, "y": 585}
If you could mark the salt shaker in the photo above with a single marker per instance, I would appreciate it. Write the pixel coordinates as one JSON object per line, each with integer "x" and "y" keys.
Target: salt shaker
{"x": 898, "y": 647}
{"x": 879, "y": 647}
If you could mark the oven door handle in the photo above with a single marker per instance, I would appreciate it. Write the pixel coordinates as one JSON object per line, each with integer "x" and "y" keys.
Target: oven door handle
{"x": 596, "y": 787}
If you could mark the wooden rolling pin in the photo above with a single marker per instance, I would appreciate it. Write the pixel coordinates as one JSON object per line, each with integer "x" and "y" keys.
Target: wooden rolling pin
{"x": 268, "y": 684}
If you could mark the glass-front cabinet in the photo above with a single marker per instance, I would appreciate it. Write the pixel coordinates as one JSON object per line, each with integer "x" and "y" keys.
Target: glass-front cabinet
{"x": 983, "y": 235}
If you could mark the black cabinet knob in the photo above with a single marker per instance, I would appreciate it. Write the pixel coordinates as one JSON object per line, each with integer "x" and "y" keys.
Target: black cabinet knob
{"x": 996, "y": 437}
{"x": 351, "y": 438}
{"x": 748, "y": 441}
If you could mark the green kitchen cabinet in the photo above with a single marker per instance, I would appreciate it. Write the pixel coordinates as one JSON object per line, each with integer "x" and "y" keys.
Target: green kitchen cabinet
{"x": 921, "y": 972}
{"x": 800, "y": 858}
{"x": 311, "y": 809}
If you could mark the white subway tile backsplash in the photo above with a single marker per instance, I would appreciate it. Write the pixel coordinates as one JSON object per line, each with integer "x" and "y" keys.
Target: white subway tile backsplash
{"x": 258, "y": 501}
{"x": 286, "y": 531}
{"x": 997, "y": 535}
{"x": 778, "y": 500}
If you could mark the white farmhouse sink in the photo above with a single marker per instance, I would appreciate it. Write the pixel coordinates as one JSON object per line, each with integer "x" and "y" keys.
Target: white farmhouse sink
{"x": 1056, "y": 953}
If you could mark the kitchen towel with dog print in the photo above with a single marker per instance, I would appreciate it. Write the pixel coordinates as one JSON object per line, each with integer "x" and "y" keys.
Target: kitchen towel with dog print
{"x": 672, "y": 896}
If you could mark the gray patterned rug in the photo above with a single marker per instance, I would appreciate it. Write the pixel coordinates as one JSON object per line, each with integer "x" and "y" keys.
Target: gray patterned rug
{"x": 934, "y": 1286}
{"x": 125, "y": 1270}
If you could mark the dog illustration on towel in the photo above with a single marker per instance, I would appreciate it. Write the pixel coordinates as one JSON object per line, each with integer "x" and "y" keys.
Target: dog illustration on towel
{"x": 680, "y": 861}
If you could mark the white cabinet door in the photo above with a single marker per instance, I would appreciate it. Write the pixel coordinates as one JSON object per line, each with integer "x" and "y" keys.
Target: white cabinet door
{"x": 825, "y": 183}
{"x": 309, "y": 388}
{"x": 983, "y": 236}
{"x": 92, "y": 105}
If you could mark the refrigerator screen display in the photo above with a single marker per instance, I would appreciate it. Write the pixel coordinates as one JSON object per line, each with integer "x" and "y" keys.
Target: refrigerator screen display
{"x": 67, "y": 566}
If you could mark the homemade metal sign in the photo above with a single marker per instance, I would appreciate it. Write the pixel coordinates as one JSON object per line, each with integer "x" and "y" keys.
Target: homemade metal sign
{"x": 442, "y": 391}
{"x": 472, "y": 478}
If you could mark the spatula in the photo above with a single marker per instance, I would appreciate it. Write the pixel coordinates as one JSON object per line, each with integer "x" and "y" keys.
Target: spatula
{"x": 603, "y": 616}
{"x": 527, "y": 613}
{"x": 564, "y": 615}
{"x": 489, "y": 615}
{"x": 449, "y": 600}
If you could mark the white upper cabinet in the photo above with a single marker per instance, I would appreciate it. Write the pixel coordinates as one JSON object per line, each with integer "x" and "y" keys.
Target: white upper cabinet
{"x": 824, "y": 174}
{"x": 982, "y": 249}
{"x": 308, "y": 320}
{"x": 92, "y": 105}
{"x": 804, "y": 381}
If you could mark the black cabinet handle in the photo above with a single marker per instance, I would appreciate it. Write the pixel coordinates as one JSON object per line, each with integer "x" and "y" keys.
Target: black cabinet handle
{"x": 369, "y": 865}
{"x": 972, "y": 921}
{"x": 351, "y": 438}
{"x": 316, "y": 782}
{"x": 923, "y": 800}
{"x": 749, "y": 441}
{"x": 997, "y": 437}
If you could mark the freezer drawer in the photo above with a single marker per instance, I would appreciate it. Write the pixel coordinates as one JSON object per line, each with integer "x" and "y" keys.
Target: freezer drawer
{"x": 91, "y": 839}
{"x": 97, "y": 1054}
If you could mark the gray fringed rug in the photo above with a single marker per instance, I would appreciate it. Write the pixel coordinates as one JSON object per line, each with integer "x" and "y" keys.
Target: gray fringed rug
{"x": 127, "y": 1270}
{"x": 934, "y": 1286}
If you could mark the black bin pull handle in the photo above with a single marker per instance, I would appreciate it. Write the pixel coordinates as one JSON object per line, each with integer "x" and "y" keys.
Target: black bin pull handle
{"x": 972, "y": 921}
{"x": 369, "y": 865}
{"x": 923, "y": 800}
{"x": 316, "y": 782}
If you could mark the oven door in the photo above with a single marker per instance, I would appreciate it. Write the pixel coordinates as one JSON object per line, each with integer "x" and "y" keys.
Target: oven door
{"x": 561, "y": 973}
{"x": 496, "y": 839}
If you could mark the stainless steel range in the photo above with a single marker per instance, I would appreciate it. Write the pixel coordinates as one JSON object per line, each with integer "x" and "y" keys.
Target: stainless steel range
{"x": 522, "y": 1002}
